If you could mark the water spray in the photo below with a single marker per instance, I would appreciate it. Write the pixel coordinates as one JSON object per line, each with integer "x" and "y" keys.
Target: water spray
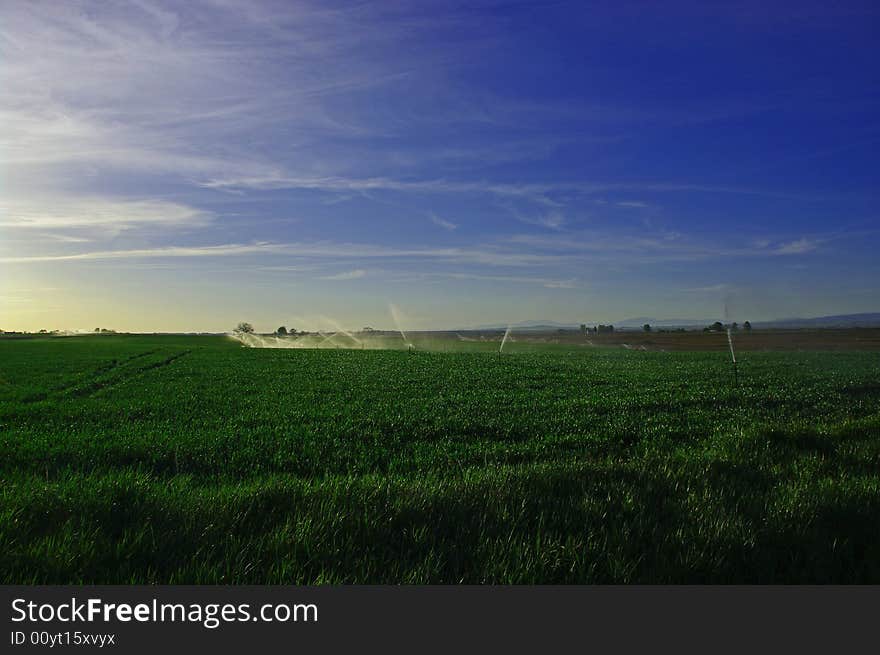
{"x": 336, "y": 326}
{"x": 395, "y": 314}
{"x": 504, "y": 339}
{"x": 732, "y": 356}
{"x": 325, "y": 338}
{"x": 730, "y": 345}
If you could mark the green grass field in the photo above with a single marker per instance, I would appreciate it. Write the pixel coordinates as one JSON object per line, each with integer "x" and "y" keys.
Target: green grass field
{"x": 193, "y": 460}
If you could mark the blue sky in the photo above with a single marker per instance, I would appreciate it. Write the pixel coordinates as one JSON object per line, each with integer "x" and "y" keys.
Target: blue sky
{"x": 184, "y": 166}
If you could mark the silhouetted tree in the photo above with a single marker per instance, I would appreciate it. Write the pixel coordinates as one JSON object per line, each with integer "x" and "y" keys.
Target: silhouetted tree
{"x": 281, "y": 332}
{"x": 717, "y": 326}
{"x": 747, "y": 326}
{"x": 646, "y": 327}
{"x": 245, "y": 328}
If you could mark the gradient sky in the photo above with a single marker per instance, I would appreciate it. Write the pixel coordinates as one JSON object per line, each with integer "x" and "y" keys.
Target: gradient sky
{"x": 185, "y": 166}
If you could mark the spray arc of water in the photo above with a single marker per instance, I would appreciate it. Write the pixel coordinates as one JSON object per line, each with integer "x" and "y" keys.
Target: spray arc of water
{"x": 504, "y": 339}
{"x": 730, "y": 344}
{"x": 395, "y": 314}
{"x": 336, "y": 326}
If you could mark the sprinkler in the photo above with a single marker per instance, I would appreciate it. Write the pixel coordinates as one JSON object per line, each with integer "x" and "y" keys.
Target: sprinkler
{"x": 504, "y": 339}
{"x": 730, "y": 344}
{"x": 732, "y": 357}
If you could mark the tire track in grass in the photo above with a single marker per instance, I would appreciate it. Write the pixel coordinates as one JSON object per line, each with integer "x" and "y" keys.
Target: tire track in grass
{"x": 108, "y": 367}
{"x": 98, "y": 385}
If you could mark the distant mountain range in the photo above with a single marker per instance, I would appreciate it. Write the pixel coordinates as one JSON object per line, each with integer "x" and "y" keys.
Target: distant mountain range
{"x": 639, "y": 321}
{"x": 529, "y": 325}
{"x": 870, "y": 319}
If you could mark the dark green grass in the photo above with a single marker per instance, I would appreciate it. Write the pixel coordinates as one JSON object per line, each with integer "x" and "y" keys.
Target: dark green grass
{"x": 190, "y": 459}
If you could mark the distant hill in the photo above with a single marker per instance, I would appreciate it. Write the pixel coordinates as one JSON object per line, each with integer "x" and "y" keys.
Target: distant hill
{"x": 639, "y": 321}
{"x": 870, "y": 319}
{"x": 840, "y": 320}
{"x": 529, "y": 325}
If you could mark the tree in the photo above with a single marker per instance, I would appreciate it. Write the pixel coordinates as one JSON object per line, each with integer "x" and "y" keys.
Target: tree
{"x": 747, "y": 326}
{"x": 281, "y": 332}
{"x": 734, "y": 326}
{"x": 583, "y": 328}
{"x": 646, "y": 327}
{"x": 717, "y": 326}
{"x": 244, "y": 328}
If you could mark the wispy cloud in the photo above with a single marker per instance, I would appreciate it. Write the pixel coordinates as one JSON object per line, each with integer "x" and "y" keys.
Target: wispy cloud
{"x": 560, "y": 284}
{"x": 517, "y": 251}
{"x": 634, "y": 204}
{"x": 318, "y": 250}
{"x": 553, "y": 220}
{"x": 156, "y": 88}
{"x": 548, "y": 283}
{"x": 74, "y": 212}
{"x": 800, "y": 246}
{"x": 712, "y": 288}
{"x": 660, "y": 247}
{"x": 797, "y": 247}
{"x": 347, "y": 275}
{"x": 64, "y": 238}
{"x": 141, "y": 253}
{"x": 338, "y": 184}
{"x": 540, "y": 192}
{"x": 440, "y": 222}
